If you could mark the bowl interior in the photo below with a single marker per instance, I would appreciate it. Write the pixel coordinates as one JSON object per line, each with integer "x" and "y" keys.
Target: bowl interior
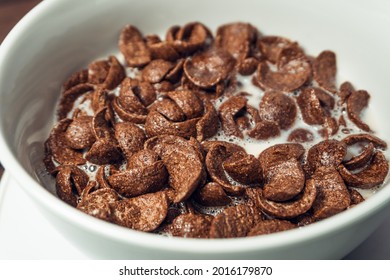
{"x": 60, "y": 37}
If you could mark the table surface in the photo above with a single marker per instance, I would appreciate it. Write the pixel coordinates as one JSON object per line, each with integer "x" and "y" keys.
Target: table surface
{"x": 15, "y": 244}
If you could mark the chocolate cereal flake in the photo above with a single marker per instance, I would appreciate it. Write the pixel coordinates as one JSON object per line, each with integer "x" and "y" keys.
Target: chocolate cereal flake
{"x": 271, "y": 226}
{"x": 191, "y": 225}
{"x": 324, "y": 70}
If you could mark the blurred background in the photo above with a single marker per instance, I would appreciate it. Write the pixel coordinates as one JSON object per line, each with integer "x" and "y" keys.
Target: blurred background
{"x": 11, "y": 11}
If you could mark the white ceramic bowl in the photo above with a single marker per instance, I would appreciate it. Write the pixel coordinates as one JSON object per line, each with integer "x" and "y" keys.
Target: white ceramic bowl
{"x": 59, "y": 37}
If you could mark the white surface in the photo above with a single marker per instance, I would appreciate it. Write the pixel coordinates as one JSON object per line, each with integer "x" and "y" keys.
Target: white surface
{"x": 26, "y": 234}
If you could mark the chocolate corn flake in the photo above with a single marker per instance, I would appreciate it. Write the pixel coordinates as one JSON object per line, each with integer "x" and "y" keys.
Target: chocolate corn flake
{"x": 167, "y": 142}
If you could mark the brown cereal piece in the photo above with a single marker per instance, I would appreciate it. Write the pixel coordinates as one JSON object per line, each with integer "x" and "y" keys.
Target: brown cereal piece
{"x": 142, "y": 159}
{"x": 169, "y": 109}
{"x": 279, "y": 153}
{"x": 345, "y": 91}
{"x": 230, "y": 147}
{"x": 188, "y": 102}
{"x": 326, "y": 153}
{"x": 239, "y": 39}
{"x": 156, "y": 70}
{"x": 278, "y": 107}
{"x": 182, "y": 162}
{"x": 156, "y": 124}
{"x": 162, "y": 50}
{"x": 126, "y": 115}
{"x": 215, "y": 159}
{"x": 235, "y": 221}
{"x": 243, "y": 168}
{"x": 342, "y": 122}
{"x": 101, "y": 98}
{"x": 70, "y": 182}
{"x": 98, "y": 203}
{"x": 228, "y": 111}
{"x": 206, "y": 69}
{"x": 144, "y": 91}
{"x": 187, "y": 39}
{"x": 270, "y": 226}
{"x": 289, "y": 77}
{"x": 57, "y": 147}
{"x": 356, "y": 102}
{"x": 284, "y": 180}
{"x": 191, "y": 226}
{"x": 69, "y": 97}
{"x": 310, "y": 105}
{"x": 324, "y": 70}
{"x": 371, "y": 176}
{"x": 300, "y": 135}
{"x": 129, "y": 100}
{"x": 145, "y": 212}
{"x": 365, "y": 138}
{"x": 327, "y": 101}
{"x": 330, "y": 127}
{"x": 208, "y": 124}
{"x": 211, "y": 194}
{"x": 133, "y": 47}
{"x": 356, "y": 197}
{"x": 264, "y": 130}
{"x": 289, "y": 209}
{"x": 79, "y": 134}
{"x": 138, "y": 180}
{"x": 107, "y": 73}
{"x": 101, "y": 178}
{"x": 130, "y": 138}
{"x": 289, "y": 53}
{"x": 271, "y": 47}
{"x": 80, "y": 77}
{"x": 105, "y": 150}
{"x": 361, "y": 159}
{"x": 332, "y": 194}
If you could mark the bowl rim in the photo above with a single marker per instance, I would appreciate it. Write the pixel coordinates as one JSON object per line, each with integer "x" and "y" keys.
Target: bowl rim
{"x": 147, "y": 240}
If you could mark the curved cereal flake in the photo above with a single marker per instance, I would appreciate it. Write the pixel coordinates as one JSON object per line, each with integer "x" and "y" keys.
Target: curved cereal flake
{"x": 326, "y": 153}
{"x": 289, "y": 53}
{"x": 156, "y": 70}
{"x": 80, "y": 77}
{"x": 332, "y": 194}
{"x": 371, "y": 176}
{"x": 300, "y": 135}
{"x": 290, "y": 77}
{"x": 187, "y": 39}
{"x": 144, "y": 91}
{"x": 278, "y": 107}
{"x": 310, "y": 105}
{"x": 70, "y": 182}
{"x": 280, "y": 153}
{"x": 101, "y": 178}
{"x": 356, "y": 197}
{"x": 129, "y": 100}
{"x": 169, "y": 109}
{"x": 356, "y": 102}
{"x": 264, "y": 130}
{"x": 284, "y": 180}
{"x": 271, "y": 47}
{"x": 156, "y": 124}
{"x": 243, "y": 168}
{"x": 57, "y": 146}
{"x": 139, "y": 180}
{"x": 289, "y": 209}
{"x": 69, "y": 97}
{"x": 228, "y": 111}
{"x": 107, "y": 73}
{"x": 215, "y": 159}
{"x": 235, "y": 221}
{"x": 127, "y": 116}
{"x": 271, "y": 226}
{"x": 211, "y": 194}
{"x": 361, "y": 159}
{"x": 208, "y": 124}
{"x": 133, "y": 47}
{"x": 182, "y": 161}
{"x": 365, "y": 138}
{"x": 162, "y": 50}
{"x": 145, "y": 212}
{"x": 189, "y": 103}
{"x": 99, "y": 203}
{"x": 206, "y": 69}
{"x": 104, "y": 151}
{"x": 324, "y": 70}
{"x": 345, "y": 91}
{"x": 79, "y": 134}
{"x": 330, "y": 127}
{"x": 130, "y": 138}
{"x": 191, "y": 226}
